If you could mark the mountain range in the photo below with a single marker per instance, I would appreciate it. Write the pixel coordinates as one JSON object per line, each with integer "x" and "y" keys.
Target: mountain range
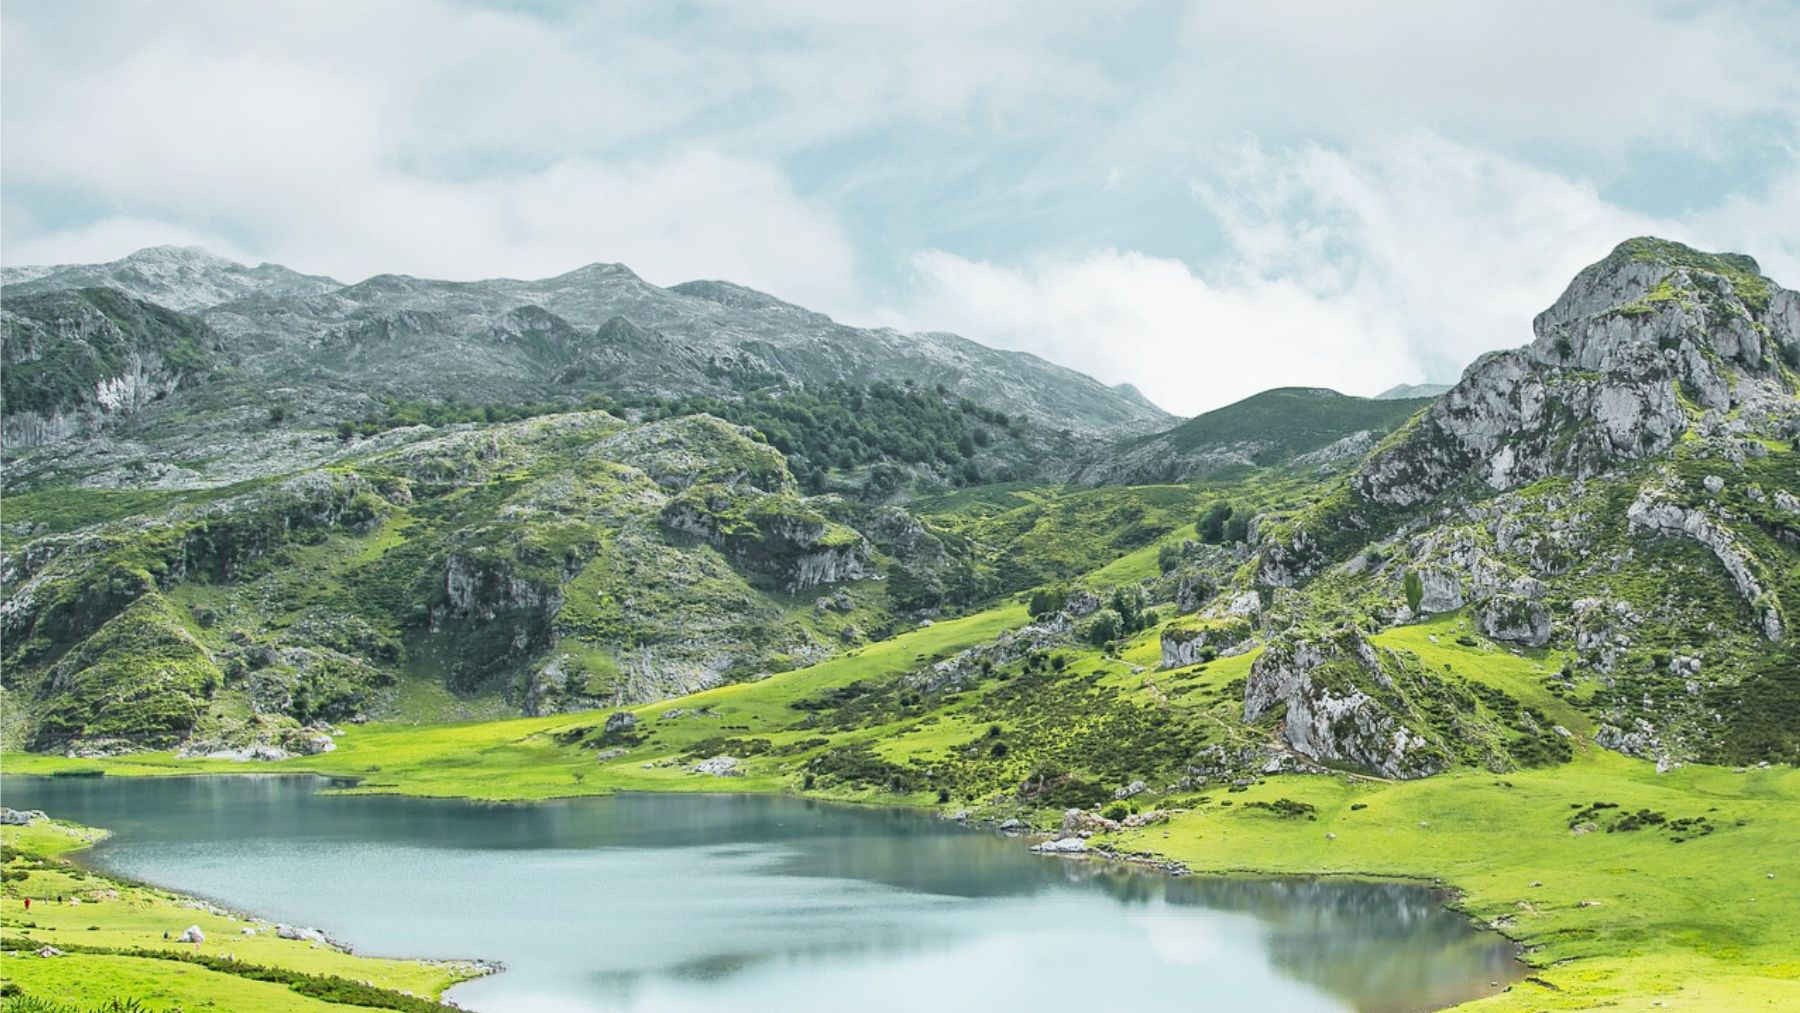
{"x": 244, "y": 504}
{"x": 597, "y": 328}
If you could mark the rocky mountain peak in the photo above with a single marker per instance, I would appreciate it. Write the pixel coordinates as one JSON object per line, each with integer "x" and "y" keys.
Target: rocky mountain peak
{"x": 176, "y": 257}
{"x": 1655, "y": 294}
{"x": 1651, "y": 343}
{"x": 185, "y": 278}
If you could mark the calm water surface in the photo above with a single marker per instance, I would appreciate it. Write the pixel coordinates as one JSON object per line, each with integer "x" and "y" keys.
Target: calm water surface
{"x": 669, "y": 902}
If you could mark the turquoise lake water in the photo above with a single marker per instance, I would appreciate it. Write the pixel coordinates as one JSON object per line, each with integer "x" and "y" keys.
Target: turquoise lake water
{"x": 728, "y": 902}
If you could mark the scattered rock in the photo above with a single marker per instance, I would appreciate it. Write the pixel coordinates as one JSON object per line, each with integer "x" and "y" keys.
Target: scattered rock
{"x": 718, "y": 766}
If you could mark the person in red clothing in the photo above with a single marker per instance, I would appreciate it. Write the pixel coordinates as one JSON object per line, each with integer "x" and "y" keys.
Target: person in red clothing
{"x": 28, "y": 903}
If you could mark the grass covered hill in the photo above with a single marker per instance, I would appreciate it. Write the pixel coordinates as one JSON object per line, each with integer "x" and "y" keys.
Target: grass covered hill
{"x": 1305, "y": 427}
{"x": 1534, "y": 638}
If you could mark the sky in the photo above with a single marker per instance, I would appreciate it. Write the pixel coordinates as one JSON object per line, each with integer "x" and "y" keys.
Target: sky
{"x": 1201, "y": 199}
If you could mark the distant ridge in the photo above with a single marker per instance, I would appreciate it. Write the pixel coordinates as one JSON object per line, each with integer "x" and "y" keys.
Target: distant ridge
{"x": 1404, "y": 391}
{"x": 392, "y": 335}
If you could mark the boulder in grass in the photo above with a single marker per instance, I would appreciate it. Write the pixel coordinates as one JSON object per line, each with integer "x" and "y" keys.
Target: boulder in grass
{"x": 192, "y": 935}
{"x": 719, "y": 766}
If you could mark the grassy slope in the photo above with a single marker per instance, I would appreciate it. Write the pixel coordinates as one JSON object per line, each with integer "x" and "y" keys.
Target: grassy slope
{"x": 1697, "y": 925}
{"x": 519, "y": 758}
{"x": 1694, "y": 925}
{"x": 121, "y": 916}
{"x": 1292, "y": 420}
{"x": 1627, "y": 921}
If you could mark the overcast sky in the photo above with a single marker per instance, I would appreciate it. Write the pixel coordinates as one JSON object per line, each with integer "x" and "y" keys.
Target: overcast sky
{"x": 1202, "y": 199}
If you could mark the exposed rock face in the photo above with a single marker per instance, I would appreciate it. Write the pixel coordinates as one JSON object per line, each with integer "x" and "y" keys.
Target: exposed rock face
{"x": 775, "y": 533}
{"x": 560, "y": 686}
{"x": 1603, "y": 631}
{"x": 1327, "y": 714}
{"x": 1518, "y": 620}
{"x": 493, "y": 614}
{"x": 597, "y": 327}
{"x": 718, "y": 766}
{"x": 1442, "y": 590}
{"x": 1350, "y": 448}
{"x": 1654, "y": 512}
{"x": 1287, "y": 561}
{"x": 1190, "y": 645}
{"x": 184, "y": 278}
{"x": 73, "y": 361}
{"x": 1603, "y": 382}
{"x": 965, "y": 666}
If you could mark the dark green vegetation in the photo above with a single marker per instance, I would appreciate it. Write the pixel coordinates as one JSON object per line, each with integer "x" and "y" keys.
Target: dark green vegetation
{"x": 97, "y": 349}
{"x": 1289, "y": 421}
{"x": 323, "y": 987}
{"x": 1588, "y": 550}
{"x": 869, "y": 442}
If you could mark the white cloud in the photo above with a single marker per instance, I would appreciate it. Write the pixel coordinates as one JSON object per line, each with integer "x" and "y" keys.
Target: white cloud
{"x": 1597, "y": 75}
{"x": 1187, "y": 343}
{"x": 1388, "y": 217}
{"x": 695, "y": 214}
{"x": 111, "y": 238}
{"x": 1348, "y": 272}
{"x": 296, "y": 153}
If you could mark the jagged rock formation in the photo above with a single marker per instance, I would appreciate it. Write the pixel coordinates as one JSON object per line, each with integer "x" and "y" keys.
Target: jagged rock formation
{"x": 1515, "y": 619}
{"x": 1635, "y": 448}
{"x": 1327, "y": 712}
{"x": 74, "y": 359}
{"x": 1626, "y": 362}
{"x": 597, "y": 328}
{"x": 1655, "y": 512}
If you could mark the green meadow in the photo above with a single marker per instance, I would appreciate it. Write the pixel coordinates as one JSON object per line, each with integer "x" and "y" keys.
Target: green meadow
{"x": 1628, "y": 889}
{"x": 114, "y": 941}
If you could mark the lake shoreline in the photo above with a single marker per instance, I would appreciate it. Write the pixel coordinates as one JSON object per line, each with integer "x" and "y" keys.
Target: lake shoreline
{"x": 1116, "y": 883}
{"x": 1595, "y": 929}
{"x": 1444, "y": 895}
{"x": 119, "y": 914}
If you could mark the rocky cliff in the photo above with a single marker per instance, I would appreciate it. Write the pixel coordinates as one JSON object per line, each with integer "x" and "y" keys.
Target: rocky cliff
{"x": 1612, "y": 488}
{"x": 599, "y": 328}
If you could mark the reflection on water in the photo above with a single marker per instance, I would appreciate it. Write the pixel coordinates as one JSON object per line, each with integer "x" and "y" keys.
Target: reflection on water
{"x": 667, "y": 902}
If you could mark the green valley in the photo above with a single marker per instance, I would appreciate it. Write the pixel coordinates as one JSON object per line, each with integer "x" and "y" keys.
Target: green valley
{"x": 1515, "y": 640}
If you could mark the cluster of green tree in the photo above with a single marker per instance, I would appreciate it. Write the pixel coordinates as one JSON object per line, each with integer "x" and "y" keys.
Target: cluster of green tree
{"x": 395, "y": 414}
{"x": 882, "y": 426}
{"x": 1223, "y": 522}
{"x": 1126, "y": 611}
